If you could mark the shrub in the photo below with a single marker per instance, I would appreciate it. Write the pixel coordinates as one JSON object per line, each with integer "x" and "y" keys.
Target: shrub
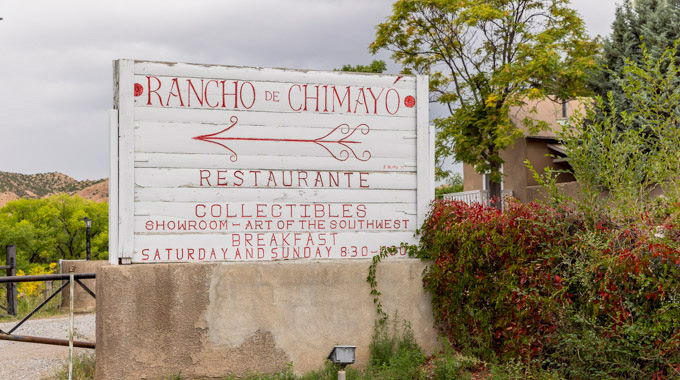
{"x": 451, "y": 365}
{"x": 394, "y": 354}
{"x": 30, "y": 289}
{"x": 494, "y": 274}
{"x": 624, "y": 321}
{"x": 83, "y": 368}
{"x": 32, "y": 294}
{"x": 518, "y": 370}
{"x": 537, "y": 284}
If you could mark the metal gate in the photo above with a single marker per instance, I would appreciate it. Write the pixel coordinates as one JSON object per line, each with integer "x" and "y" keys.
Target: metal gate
{"x": 11, "y": 279}
{"x": 11, "y": 268}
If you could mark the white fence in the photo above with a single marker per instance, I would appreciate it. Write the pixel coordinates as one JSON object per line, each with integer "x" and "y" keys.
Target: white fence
{"x": 475, "y": 196}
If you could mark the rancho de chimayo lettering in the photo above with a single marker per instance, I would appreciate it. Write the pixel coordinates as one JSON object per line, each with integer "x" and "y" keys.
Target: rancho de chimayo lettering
{"x": 182, "y": 92}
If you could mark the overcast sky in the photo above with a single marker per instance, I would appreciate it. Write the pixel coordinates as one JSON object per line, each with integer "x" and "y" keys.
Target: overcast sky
{"x": 55, "y": 59}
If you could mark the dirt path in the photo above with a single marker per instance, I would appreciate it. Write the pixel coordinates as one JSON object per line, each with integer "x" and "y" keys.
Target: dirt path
{"x": 33, "y": 361}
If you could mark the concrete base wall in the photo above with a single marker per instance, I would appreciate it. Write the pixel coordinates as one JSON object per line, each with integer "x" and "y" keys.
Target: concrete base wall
{"x": 211, "y": 320}
{"x": 84, "y": 303}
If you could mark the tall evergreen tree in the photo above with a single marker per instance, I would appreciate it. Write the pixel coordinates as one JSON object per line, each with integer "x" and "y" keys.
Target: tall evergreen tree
{"x": 654, "y": 23}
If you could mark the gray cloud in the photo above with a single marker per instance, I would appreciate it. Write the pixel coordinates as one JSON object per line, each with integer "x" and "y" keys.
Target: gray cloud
{"x": 55, "y": 59}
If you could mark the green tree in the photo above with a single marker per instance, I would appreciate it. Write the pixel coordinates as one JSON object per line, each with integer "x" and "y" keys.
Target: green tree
{"x": 483, "y": 57}
{"x": 377, "y": 66}
{"x": 31, "y": 216}
{"x": 20, "y": 235}
{"x": 654, "y": 23}
{"x": 46, "y": 230}
{"x": 618, "y": 153}
{"x": 454, "y": 184}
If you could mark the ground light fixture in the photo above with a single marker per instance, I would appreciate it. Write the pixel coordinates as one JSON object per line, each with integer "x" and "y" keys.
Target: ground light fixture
{"x": 342, "y": 356}
{"x": 88, "y": 224}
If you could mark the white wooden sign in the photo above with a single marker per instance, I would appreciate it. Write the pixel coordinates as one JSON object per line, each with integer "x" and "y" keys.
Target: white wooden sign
{"x": 219, "y": 163}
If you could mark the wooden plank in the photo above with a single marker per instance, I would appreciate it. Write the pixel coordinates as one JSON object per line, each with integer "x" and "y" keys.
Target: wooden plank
{"x": 249, "y": 127}
{"x": 274, "y": 179}
{"x": 265, "y": 246}
{"x": 221, "y": 161}
{"x": 425, "y": 155}
{"x": 226, "y": 209}
{"x": 197, "y": 217}
{"x": 113, "y": 188}
{"x": 357, "y": 143}
{"x": 275, "y": 96}
{"x": 181, "y": 226}
{"x": 221, "y": 117}
{"x": 126, "y": 151}
{"x": 273, "y": 195}
{"x": 194, "y": 70}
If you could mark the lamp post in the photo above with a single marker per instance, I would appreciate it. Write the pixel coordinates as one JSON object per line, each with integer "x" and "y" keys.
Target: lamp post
{"x": 88, "y": 224}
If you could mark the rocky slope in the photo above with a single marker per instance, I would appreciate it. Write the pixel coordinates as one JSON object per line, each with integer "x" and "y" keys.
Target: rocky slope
{"x": 15, "y": 185}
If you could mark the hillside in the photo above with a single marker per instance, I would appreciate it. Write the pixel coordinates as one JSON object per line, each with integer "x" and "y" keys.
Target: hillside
{"x": 16, "y": 185}
{"x": 99, "y": 192}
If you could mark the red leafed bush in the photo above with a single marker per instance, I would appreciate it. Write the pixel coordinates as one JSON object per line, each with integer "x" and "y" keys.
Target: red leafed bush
{"x": 494, "y": 274}
{"x": 537, "y": 283}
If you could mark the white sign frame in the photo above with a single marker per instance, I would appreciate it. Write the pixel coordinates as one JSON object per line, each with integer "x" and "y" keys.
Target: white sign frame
{"x": 123, "y": 199}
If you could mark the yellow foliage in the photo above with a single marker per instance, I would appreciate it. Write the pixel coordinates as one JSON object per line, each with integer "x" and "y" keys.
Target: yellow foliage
{"x": 535, "y": 93}
{"x": 29, "y": 289}
{"x": 491, "y": 100}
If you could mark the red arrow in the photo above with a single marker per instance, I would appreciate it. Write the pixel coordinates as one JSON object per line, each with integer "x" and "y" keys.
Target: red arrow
{"x": 327, "y": 142}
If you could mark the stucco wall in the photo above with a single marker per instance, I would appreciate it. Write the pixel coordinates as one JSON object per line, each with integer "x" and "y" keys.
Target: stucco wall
{"x": 84, "y": 303}
{"x": 209, "y": 320}
{"x": 514, "y": 170}
{"x": 538, "y": 192}
{"x": 471, "y": 179}
{"x": 548, "y": 111}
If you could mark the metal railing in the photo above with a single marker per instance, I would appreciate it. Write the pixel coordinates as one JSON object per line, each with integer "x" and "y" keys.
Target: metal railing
{"x": 69, "y": 279}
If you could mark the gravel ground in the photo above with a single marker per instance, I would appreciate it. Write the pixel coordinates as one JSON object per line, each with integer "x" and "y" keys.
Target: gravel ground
{"x": 33, "y": 361}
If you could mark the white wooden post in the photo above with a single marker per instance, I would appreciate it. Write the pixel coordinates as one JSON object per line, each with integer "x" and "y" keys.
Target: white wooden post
{"x": 70, "y": 325}
{"x": 425, "y": 152}
{"x": 126, "y": 153}
{"x": 113, "y": 187}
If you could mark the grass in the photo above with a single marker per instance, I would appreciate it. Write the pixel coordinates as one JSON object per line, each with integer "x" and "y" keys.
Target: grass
{"x": 83, "y": 368}
{"x": 28, "y": 303}
{"x": 516, "y": 370}
{"x": 394, "y": 355}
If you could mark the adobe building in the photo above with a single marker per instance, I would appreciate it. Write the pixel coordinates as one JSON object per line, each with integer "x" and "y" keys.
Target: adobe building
{"x": 542, "y": 149}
